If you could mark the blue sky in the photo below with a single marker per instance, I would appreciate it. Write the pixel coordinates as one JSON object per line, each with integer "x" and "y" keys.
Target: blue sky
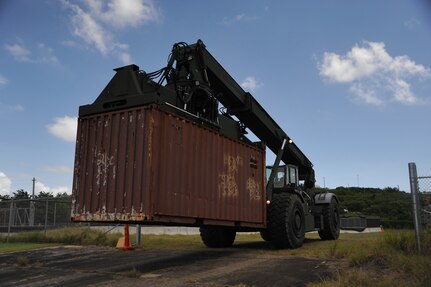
{"x": 349, "y": 81}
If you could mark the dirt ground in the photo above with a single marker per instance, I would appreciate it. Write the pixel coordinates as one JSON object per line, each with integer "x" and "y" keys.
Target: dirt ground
{"x": 242, "y": 265}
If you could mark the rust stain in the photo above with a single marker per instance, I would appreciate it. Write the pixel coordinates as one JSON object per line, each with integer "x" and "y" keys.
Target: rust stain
{"x": 227, "y": 184}
{"x": 150, "y": 137}
{"x": 116, "y": 216}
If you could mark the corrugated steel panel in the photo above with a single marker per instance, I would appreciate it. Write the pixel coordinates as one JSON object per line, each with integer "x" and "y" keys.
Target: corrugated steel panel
{"x": 145, "y": 164}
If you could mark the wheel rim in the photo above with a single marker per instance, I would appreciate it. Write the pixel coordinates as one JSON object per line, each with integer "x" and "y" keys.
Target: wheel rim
{"x": 297, "y": 223}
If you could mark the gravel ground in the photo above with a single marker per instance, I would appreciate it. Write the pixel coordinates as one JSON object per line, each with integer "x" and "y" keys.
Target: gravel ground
{"x": 242, "y": 265}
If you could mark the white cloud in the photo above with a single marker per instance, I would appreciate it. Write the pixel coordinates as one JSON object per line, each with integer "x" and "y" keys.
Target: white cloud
{"x": 40, "y": 186}
{"x": 94, "y": 23}
{"x": 70, "y": 43}
{"x": 402, "y": 92}
{"x": 242, "y": 17}
{"x": 10, "y": 108}
{"x": 364, "y": 95}
{"x": 5, "y": 184}
{"x": 120, "y": 14}
{"x": 46, "y": 54}
{"x": 59, "y": 169}
{"x": 64, "y": 128}
{"x": 19, "y": 52}
{"x": 412, "y": 23}
{"x": 41, "y": 54}
{"x": 371, "y": 66}
{"x": 250, "y": 84}
{"x": 125, "y": 58}
{"x": 61, "y": 189}
{"x": 17, "y": 108}
{"x": 88, "y": 29}
{"x": 3, "y": 81}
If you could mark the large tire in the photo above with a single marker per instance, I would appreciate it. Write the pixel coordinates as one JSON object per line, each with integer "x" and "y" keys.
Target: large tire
{"x": 331, "y": 221}
{"x": 286, "y": 221}
{"x": 217, "y": 236}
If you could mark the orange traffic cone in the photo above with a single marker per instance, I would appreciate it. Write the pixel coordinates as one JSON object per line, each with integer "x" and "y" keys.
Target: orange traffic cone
{"x": 124, "y": 242}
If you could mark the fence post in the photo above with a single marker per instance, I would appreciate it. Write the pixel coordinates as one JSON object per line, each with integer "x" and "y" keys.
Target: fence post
{"x": 55, "y": 212}
{"x": 46, "y": 214}
{"x": 32, "y": 210}
{"x": 10, "y": 219}
{"x": 416, "y": 204}
{"x": 138, "y": 235}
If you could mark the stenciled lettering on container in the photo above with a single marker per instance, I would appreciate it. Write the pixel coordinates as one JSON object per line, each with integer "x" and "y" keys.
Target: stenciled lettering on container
{"x": 103, "y": 162}
{"x": 227, "y": 185}
{"x": 253, "y": 188}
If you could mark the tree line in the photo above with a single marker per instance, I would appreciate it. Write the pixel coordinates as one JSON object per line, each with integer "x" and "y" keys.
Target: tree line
{"x": 22, "y": 194}
{"x": 394, "y": 207}
{"x": 46, "y": 208}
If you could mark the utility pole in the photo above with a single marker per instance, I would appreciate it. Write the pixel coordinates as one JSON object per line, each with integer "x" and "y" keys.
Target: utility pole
{"x": 31, "y": 219}
{"x": 34, "y": 184}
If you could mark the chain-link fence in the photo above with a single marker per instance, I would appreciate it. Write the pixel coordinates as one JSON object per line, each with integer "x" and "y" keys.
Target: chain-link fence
{"x": 420, "y": 187}
{"x": 34, "y": 214}
{"x": 424, "y": 185}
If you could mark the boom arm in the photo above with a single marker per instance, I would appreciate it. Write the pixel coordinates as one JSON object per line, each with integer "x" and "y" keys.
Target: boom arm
{"x": 195, "y": 63}
{"x": 195, "y": 85}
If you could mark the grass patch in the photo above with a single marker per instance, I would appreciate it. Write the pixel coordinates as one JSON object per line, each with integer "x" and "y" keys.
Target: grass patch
{"x": 71, "y": 235}
{"x": 22, "y": 261}
{"x": 19, "y": 246}
{"x": 178, "y": 242}
{"x": 373, "y": 259}
{"x": 134, "y": 273}
{"x": 381, "y": 259}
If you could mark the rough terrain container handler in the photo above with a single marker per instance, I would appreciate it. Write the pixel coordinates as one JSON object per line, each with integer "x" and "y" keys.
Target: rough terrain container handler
{"x": 170, "y": 148}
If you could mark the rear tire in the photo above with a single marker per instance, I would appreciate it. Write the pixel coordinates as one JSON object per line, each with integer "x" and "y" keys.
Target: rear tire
{"x": 286, "y": 221}
{"x": 331, "y": 221}
{"x": 217, "y": 236}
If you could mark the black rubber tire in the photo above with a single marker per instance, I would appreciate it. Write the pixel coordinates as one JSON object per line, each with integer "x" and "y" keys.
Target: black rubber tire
{"x": 331, "y": 221}
{"x": 265, "y": 235}
{"x": 217, "y": 236}
{"x": 286, "y": 221}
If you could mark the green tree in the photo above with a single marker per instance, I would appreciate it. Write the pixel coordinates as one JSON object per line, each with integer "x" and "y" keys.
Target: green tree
{"x": 21, "y": 194}
{"x": 390, "y": 204}
{"x": 63, "y": 195}
{"x": 43, "y": 194}
{"x": 4, "y": 197}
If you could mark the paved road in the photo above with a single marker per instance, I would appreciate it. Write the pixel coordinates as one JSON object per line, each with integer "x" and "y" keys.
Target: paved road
{"x": 242, "y": 265}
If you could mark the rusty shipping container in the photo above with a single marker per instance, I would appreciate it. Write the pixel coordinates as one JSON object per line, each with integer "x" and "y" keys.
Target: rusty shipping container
{"x": 148, "y": 165}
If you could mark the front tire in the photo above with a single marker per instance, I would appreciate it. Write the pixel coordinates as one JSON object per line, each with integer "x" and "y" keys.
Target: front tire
{"x": 286, "y": 221}
{"x": 331, "y": 221}
{"x": 217, "y": 236}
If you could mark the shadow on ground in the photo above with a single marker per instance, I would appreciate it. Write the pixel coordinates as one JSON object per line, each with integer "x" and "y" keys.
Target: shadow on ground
{"x": 101, "y": 266}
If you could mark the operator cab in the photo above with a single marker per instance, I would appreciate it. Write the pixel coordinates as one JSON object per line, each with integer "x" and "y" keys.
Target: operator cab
{"x": 285, "y": 176}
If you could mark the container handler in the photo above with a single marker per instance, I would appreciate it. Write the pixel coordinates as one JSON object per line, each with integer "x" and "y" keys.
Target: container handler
{"x": 170, "y": 148}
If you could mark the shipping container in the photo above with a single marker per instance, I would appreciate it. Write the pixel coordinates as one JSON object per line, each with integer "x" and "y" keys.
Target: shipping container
{"x": 151, "y": 165}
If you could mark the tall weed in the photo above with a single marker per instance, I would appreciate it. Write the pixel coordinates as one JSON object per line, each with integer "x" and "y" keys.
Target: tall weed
{"x": 71, "y": 235}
